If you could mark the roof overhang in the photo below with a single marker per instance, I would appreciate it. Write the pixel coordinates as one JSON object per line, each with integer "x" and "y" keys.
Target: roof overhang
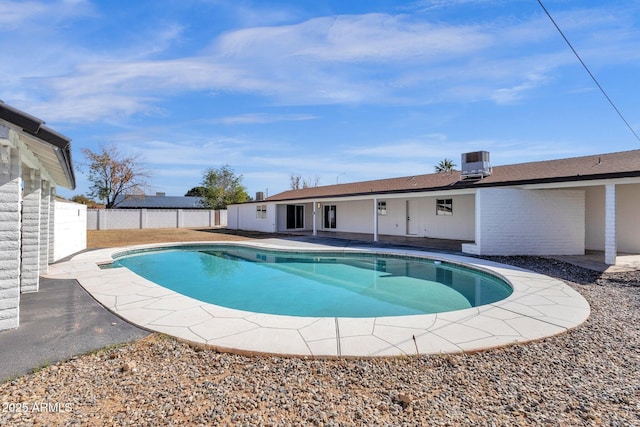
{"x": 50, "y": 150}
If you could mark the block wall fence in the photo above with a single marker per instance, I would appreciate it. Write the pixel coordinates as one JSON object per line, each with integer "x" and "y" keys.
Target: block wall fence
{"x": 122, "y": 219}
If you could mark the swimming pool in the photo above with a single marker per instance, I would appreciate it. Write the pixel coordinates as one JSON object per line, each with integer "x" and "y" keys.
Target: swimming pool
{"x": 539, "y": 306}
{"x": 316, "y": 284}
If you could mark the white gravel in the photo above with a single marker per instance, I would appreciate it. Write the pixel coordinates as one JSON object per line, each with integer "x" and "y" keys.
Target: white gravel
{"x": 587, "y": 376}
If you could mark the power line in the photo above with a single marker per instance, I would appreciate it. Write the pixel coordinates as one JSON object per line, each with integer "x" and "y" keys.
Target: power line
{"x": 589, "y": 71}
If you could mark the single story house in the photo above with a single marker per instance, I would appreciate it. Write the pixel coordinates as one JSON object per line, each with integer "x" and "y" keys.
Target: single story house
{"x": 555, "y": 207}
{"x": 158, "y": 201}
{"x": 34, "y": 159}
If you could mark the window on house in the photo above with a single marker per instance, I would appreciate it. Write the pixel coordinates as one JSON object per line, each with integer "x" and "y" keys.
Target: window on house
{"x": 382, "y": 207}
{"x": 261, "y": 211}
{"x": 444, "y": 207}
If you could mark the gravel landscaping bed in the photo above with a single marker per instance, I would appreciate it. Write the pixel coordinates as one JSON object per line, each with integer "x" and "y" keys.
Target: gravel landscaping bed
{"x": 587, "y": 376}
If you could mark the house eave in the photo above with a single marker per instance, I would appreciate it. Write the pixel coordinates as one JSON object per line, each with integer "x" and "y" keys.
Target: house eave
{"x": 35, "y": 133}
{"x": 456, "y": 186}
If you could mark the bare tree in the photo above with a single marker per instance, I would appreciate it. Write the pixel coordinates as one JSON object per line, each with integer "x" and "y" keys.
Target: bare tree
{"x": 297, "y": 182}
{"x": 114, "y": 175}
{"x": 312, "y": 182}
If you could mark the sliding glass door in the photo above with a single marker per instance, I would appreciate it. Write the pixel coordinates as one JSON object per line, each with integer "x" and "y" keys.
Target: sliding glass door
{"x": 330, "y": 216}
{"x": 295, "y": 217}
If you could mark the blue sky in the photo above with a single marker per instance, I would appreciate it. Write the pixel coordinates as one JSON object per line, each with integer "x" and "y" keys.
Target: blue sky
{"x": 338, "y": 91}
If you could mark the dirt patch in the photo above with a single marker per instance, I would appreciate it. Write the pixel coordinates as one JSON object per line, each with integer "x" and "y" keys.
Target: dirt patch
{"x": 116, "y": 238}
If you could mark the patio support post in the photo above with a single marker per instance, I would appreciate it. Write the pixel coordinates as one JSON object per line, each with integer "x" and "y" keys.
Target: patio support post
{"x": 45, "y": 207}
{"x": 375, "y": 219}
{"x": 30, "y": 266}
{"x": 315, "y": 211}
{"x": 10, "y": 195}
{"x": 52, "y": 222}
{"x": 610, "y": 240}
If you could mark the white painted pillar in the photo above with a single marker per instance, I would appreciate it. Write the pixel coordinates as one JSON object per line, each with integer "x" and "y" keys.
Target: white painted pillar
{"x": 375, "y": 219}
{"x": 179, "y": 218}
{"x": 315, "y": 214}
{"x": 143, "y": 219}
{"x": 52, "y": 223}
{"x": 45, "y": 208}
{"x": 610, "y": 240}
{"x": 30, "y": 266}
{"x": 10, "y": 199}
{"x": 102, "y": 219}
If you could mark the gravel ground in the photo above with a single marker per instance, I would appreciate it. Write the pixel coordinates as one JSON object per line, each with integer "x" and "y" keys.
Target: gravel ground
{"x": 587, "y": 376}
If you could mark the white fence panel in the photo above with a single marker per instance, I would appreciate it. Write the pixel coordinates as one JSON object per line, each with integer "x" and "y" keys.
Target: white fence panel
{"x": 70, "y": 229}
{"x": 123, "y": 219}
{"x": 162, "y": 218}
{"x": 197, "y": 218}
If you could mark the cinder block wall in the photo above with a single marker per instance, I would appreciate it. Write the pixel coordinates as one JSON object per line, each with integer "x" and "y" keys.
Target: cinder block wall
{"x": 10, "y": 185}
{"x": 530, "y": 222}
{"x": 127, "y": 219}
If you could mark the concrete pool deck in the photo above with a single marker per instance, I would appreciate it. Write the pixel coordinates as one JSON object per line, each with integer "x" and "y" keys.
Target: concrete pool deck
{"x": 540, "y": 306}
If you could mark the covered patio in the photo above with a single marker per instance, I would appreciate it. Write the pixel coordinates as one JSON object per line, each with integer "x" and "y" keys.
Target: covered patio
{"x": 34, "y": 159}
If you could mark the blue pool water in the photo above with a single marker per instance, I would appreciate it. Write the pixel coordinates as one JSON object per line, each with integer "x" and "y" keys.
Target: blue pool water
{"x": 316, "y": 284}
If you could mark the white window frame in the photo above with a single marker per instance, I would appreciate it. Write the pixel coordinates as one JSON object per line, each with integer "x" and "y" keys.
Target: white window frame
{"x": 444, "y": 207}
{"x": 382, "y": 207}
{"x": 261, "y": 211}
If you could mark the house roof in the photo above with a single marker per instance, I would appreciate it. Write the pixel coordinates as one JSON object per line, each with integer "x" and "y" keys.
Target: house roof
{"x": 159, "y": 202}
{"x": 52, "y": 149}
{"x": 600, "y": 166}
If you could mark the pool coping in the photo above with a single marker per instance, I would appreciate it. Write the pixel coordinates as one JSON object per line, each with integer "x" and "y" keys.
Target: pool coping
{"x": 539, "y": 307}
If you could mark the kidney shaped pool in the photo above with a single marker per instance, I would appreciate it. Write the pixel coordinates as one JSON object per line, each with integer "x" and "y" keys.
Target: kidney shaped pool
{"x": 315, "y": 284}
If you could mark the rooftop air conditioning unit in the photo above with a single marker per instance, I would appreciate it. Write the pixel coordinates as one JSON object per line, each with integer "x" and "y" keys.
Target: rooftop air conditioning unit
{"x": 475, "y": 165}
{"x": 259, "y": 196}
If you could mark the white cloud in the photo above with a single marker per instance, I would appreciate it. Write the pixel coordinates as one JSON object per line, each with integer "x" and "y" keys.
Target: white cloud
{"x": 29, "y": 14}
{"x": 261, "y": 118}
{"x": 349, "y": 59}
{"x": 354, "y": 38}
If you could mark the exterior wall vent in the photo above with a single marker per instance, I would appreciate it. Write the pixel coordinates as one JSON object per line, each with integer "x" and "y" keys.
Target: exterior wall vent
{"x": 475, "y": 165}
{"x": 259, "y": 196}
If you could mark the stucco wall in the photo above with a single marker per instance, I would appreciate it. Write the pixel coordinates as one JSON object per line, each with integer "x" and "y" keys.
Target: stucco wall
{"x": 70, "y": 229}
{"x": 354, "y": 217}
{"x": 425, "y": 222}
{"x": 243, "y": 217}
{"x": 627, "y": 223}
{"x": 529, "y": 222}
{"x": 594, "y": 218}
{"x": 628, "y": 217}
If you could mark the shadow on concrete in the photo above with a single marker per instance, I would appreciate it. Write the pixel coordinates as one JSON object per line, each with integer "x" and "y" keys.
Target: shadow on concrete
{"x": 58, "y": 322}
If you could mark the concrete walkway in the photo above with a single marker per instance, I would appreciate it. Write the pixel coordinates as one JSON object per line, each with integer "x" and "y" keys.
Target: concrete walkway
{"x": 60, "y": 321}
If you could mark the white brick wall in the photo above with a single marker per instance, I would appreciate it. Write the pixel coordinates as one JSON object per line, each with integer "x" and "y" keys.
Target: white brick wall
{"x": 529, "y": 222}
{"x": 45, "y": 206}
{"x": 610, "y": 242}
{"x": 70, "y": 229}
{"x": 10, "y": 184}
{"x": 29, "y": 278}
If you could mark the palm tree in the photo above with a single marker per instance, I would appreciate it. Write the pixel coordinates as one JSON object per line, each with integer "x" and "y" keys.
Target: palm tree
{"x": 445, "y": 165}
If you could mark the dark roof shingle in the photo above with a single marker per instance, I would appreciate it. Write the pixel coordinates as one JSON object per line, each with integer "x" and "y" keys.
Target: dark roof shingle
{"x": 626, "y": 163}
